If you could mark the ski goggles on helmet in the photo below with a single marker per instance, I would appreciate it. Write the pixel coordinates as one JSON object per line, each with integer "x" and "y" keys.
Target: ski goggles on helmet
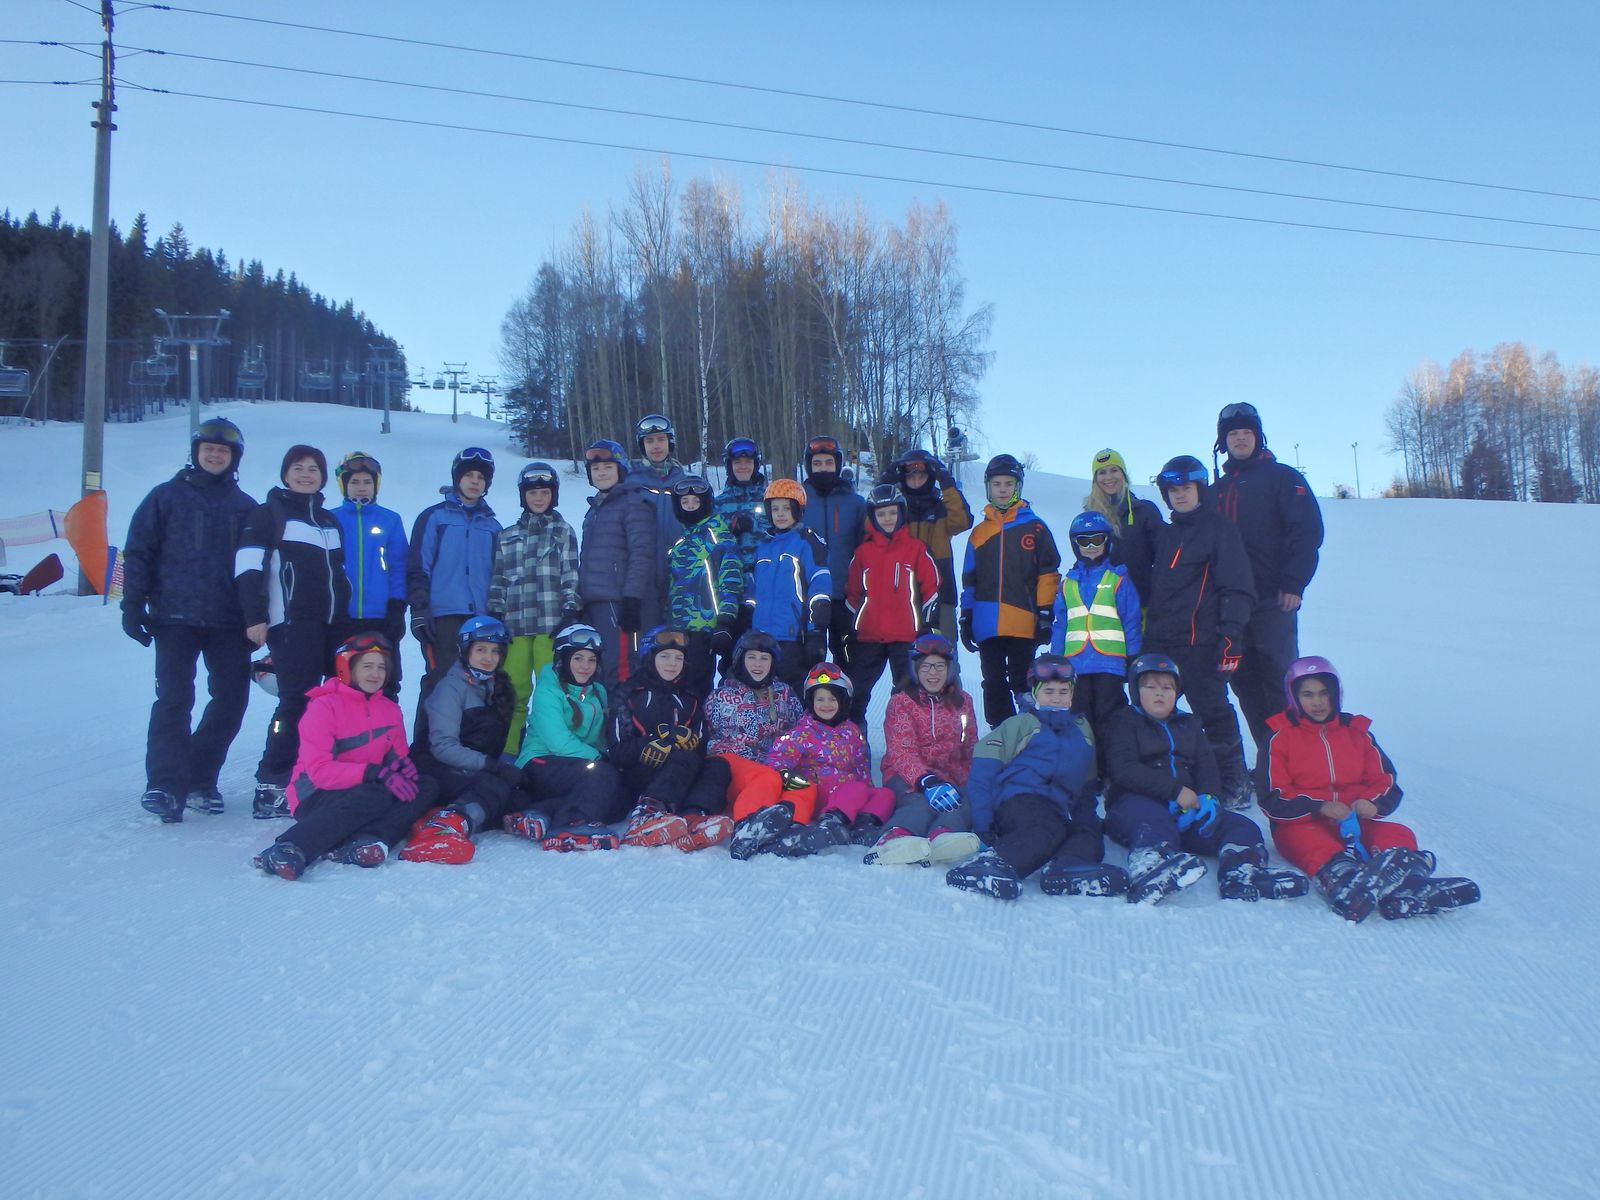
{"x": 829, "y": 676}
{"x": 475, "y": 454}
{"x": 219, "y": 430}
{"x": 1089, "y": 539}
{"x": 932, "y": 643}
{"x": 742, "y": 447}
{"x": 691, "y": 485}
{"x": 536, "y": 478}
{"x": 1241, "y": 411}
{"x": 603, "y": 452}
{"x": 364, "y": 643}
{"x": 579, "y": 637}
{"x": 357, "y": 461}
{"x": 1174, "y": 478}
{"x": 1051, "y": 668}
{"x": 824, "y": 445}
{"x": 667, "y": 639}
{"x": 654, "y": 423}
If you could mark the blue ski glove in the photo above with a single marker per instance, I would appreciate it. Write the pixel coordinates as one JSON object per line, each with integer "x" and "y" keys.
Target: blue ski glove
{"x": 1350, "y": 831}
{"x": 941, "y": 795}
{"x": 1202, "y": 817}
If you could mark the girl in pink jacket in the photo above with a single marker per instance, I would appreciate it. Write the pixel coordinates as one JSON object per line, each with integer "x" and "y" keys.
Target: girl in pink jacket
{"x": 354, "y": 791}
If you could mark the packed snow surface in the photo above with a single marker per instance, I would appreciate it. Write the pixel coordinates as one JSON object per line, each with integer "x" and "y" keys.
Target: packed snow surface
{"x": 652, "y": 1023}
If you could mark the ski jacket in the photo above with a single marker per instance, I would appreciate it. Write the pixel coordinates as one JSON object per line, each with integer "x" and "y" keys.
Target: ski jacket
{"x": 452, "y": 558}
{"x": 290, "y": 564}
{"x": 654, "y": 482}
{"x": 839, "y": 517}
{"x": 893, "y": 592}
{"x": 619, "y": 547}
{"x": 179, "y": 559}
{"x": 826, "y": 755}
{"x": 1158, "y": 759}
{"x": 746, "y": 721}
{"x": 924, "y": 735}
{"x": 564, "y": 720}
{"x": 706, "y": 577}
{"x": 1046, "y": 752}
{"x": 791, "y": 578}
{"x": 1134, "y": 523}
{"x": 746, "y": 498}
{"x": 343, "y": 732}
{"x": 462, "y": 722}
{"x": 1096, "y": 619}
{"x": 1278, "y": 518}
{"x": 1011, "y": 570}
{"x": 1338, "y": 760}
{"x": 643, "y": 706}
{"x": 1200, "y": 586}
{"x": 935, "y": 514}
{"x": 375, "y": 551}
{"x": 535, "y": 577}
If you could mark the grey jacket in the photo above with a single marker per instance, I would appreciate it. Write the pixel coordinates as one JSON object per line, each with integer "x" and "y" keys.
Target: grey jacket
{"x": 454, "y": 694}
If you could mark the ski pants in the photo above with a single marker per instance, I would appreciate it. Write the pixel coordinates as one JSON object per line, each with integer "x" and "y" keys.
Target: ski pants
{"x": 867, "y": 661}
{"x": 914, "y": 814}
{"x": 1005, "y": 662}
{"x": 1030, "y": 831}
{"x": 841, "y": 635}
{"x": 855, "y": 797}
{"x": 177, "y": 760}
{"x": 439, "y": 652}
{"x": 575, "y": 791}
{"x": 1271, "y": 643}
{"x": 478, "y": 791}
{"x": 1207, "y": 693}
{"x": 1099, "y": 696}
{"x": 617, "y": 647}
{"x": 1137, "y": 822}
{"x": 395, "y": 631}
{"x": 792, "y": 666}
{"x": 324, "y": 821}
{"x": 525, "y": 658}
{"x": 302, "y": 655}
{"x": 699, "y": 663}
{"x": 1310, "y": 842}
{"x": 686, "y": 782}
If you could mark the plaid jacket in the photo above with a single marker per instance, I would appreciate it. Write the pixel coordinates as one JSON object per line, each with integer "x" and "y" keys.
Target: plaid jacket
{"x": 535, "y": 574}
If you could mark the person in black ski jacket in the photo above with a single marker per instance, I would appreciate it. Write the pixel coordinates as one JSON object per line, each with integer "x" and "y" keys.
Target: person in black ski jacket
{"x": 839, "y": 517}
{"x": 617, "y": 561}
{"x": 178, "y": 592}
{"x": 1281, "y": 525}
{"x": 296, "y": 598}
{"x": 1201, "y": 593}
{"x": 1134, "y": 521}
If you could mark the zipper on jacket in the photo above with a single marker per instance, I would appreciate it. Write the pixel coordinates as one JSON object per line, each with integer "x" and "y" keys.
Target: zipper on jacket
{"x": 1333, "y": 782}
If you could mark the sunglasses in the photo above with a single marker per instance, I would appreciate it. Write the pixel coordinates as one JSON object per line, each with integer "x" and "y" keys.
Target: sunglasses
{"x": 654, "y": 424}
{"x": 1090, "y": 539}
{"x": 1174, "y": 478}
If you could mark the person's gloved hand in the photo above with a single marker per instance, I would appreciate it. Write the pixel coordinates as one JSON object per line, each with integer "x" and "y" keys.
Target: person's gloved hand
{"x": 422, "y": 627}
{"x": 684, "y": 738}
{"x": 1350, "y": 831}
{"x": 1202, "y": 817}
{"x": 398, "y": 775}
{"x": 136, "y": 623}
{"x": 722, "y": 637}
{"x": 656, "y": 750}
{"x": 793, "y": 781}
{"x": 821, "y": 613}
{"x": 740, "y": 524}
{"x": 967, "y": 639}
{"x": 941, "y": 794}
{"x": 1227, "y": 656}
{"x": 628, "y": 617}
{"x": 930, "y": 613}
{"x": 505, "y": 772}
{"x": 1043, "y": 622}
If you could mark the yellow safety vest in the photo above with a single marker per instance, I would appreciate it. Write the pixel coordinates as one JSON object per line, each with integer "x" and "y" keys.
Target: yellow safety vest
{"x": 1098, "y": 626}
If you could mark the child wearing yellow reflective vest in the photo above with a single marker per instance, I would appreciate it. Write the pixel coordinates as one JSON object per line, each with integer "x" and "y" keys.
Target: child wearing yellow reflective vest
{"x": 1096, "y": 624}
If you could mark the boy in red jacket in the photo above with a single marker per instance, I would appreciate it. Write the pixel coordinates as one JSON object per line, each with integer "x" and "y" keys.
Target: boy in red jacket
{"x": 893, "y": 595}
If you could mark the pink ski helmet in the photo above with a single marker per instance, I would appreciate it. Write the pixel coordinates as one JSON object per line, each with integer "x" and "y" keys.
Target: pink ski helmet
{"x": 1309, "y": 667}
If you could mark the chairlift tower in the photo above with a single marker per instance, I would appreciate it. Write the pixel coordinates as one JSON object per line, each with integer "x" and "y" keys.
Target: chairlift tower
{"x": 194, "y": 330}
{"x": 490, "y": 384}
{"x": 455, "y": 371}
{"x": 384, "y": 365}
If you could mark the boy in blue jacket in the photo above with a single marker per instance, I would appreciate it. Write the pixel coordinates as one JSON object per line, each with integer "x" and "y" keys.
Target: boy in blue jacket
{"x": 1032, "y": 797}
{"x": 790, "y": 585}
{"x": 375, "y": 549}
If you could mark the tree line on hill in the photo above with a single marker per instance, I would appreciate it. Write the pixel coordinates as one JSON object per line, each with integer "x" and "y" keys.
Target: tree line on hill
{"x": 793, "y": 321}
{"x": 304, "y": 346}
{"x": 1506, "y": 425}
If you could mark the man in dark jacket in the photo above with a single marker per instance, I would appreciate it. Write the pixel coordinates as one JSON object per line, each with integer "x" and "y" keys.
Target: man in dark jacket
{"x": 617, "y": 562}
{"x": 178, "y": 592}
{"x": 839, "y": 517}
{"x": 657, "y": 472}
{"x": 1201, "y": 594}
{"x": 1281, "y": 525}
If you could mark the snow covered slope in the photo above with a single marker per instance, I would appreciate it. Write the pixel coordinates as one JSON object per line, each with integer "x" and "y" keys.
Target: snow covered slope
{"x": 649, "y": 1023}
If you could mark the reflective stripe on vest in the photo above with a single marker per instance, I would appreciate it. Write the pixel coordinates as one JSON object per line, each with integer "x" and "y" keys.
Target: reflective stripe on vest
{"x": 1098, "y": 626}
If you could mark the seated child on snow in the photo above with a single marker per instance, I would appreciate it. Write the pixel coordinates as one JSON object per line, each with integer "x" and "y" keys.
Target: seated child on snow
{"x": 1331, "y": 788}
{"x": 466, "y": 716}
{"x": 354, "y": 791}
{"x": 929, "y": 732}
{"x": 578, "y": 793}
{"x": 1161, "y": 800}
{"x": 750, "y": 711}
{"x": 823, "y": 761}
{"x": 656, "y": 737}
{"x": 1032, "y": 796}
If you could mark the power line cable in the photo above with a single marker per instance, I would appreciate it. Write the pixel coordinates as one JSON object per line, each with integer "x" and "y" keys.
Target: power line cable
{"x": 933, "y": 183}
{"x": 878, "y": 104}
{"x": 862, "y": 142}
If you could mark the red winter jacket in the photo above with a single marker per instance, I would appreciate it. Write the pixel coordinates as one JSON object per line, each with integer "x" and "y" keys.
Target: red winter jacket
{"x": 1338, "y": 760}
{"x": 893, "y": 588}
{"x": 926, "y": 736}
{"x": 343, "y": 732}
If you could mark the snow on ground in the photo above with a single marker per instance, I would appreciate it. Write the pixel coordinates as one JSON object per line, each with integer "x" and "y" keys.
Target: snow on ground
{"x": 649, "y": 1023}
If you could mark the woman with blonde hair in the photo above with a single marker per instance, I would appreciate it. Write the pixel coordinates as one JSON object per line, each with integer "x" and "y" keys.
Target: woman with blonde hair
{"x": 1133, "y": 521}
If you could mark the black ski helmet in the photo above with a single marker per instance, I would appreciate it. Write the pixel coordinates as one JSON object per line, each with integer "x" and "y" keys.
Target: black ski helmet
{"x": 886, "y": 495}
{"x": 222, "y": 432}
{"x": 1151, "y": 663}
{"x": 692, "y": 485}
{"x": 755, "y": 639}
{"x": 473, "y": 458}
{"x": 1005, "y": 464}
{"x": 1242, "y": 415}
{"x": 656, "y": 423}
{"x": 743, "y": 447}
{"x": 538, "y": 475}
{"x": 1185, "y": 468}
{"x": 825, "y": 443}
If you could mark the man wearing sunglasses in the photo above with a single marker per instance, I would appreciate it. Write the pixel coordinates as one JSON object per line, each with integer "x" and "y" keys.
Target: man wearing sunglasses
{"x": 1281, "y": 525}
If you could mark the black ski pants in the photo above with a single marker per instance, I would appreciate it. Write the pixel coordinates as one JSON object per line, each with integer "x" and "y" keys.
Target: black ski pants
{"x": 324, "y": 821}
{"x": 1099, "y": 697}
{"x": 1138, "y": 822}
{"x": 302, "y": 656}
{"x": 177, "y": 760}
{"x": 687, "y": 782}
{"x": 1004, "y": 662}
{"x": 1207, "y": 694}
{"x": 1271, "y": 643}
{"x": 575, "y": 791}
{"x": 493, "y": 795}
{"x": 1030, "y": 831}
{"x": 841, "y": 635}
{"x": 867, "y": 660}
{"x": 616, "y": 647}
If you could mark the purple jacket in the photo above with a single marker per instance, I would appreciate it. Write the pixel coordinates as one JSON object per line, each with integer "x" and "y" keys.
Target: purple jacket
{"x": 828, "y": 755}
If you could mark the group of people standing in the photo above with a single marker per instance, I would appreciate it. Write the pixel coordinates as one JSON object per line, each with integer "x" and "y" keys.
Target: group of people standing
{"x": 572, "y": 683}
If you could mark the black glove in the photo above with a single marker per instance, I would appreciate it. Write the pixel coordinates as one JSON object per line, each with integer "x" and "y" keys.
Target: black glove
{"x": 741, "y": 524}
{"x": 628, "y": 616}
{"x": 1043, "y": 620}
{"x": 816, "y": 648}
{"x": 967, "y": 639}
{"x": 722, "y": 637}
{"x": 394, "y": 622}
{"x": 136, "y": 624}
{"x": 1227, "y": 655}
{"x": 422, "y": 627}
{"x": 821, "y": 613}
{"x": 930, "y": 613}
{"x": 685, "y": 738}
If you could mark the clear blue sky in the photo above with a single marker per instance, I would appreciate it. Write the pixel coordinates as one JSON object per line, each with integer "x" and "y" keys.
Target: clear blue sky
{"x": 1113, "y": 326}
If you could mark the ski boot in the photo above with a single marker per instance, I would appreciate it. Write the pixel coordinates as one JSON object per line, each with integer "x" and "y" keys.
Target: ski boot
{"x": 164, "y": 804}
{"x": 705, "y": 831}
{"x": 581, "y": 837}
{"x": 1156, "y": 872}
{"x": 1243, "y": 874}
{"x": 988, "y": 873}
{"x": 1422, "y": 897}
{"x": 283, "y": 859}
{"x": 443, "y": 836}
{"x": 760, "y": 831}
{"x": 866, "y": 829}
{"x": 1353, "y": 888}
{"x": 1072, "y": 877}
{"x": 802, "y": 841}
{"x": 952, "y": 845}
{"x": 527, "y": 823}
{"x": 360, "y": 851}
{"x": 205, "y": 800}
{"x": 898, "y": 847}
{"x": 271, "y": 802}
{"x": 651, "y": 825}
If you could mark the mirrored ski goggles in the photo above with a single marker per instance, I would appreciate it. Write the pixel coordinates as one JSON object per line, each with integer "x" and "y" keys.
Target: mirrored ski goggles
{"x": 580, "y": 637}
{"x": 823, "y": 445}
{"x": 932, "y": 643}
{"x": 1242, "y": 409}
{"x": 1089, "y": 539}
{"x": 654, "y": 423}
{"x": 365, "y": 643}
{"x": 667, "y": 639}
{"x": 356, "y": 462}
{"x": 1051, "y": 668}
{"x": 742, "y": 448}
{"x": 601, "y": 454}
{"x": 823, "y": 678}
{"x": 476, "y": 454}
{"x": 692, "y": 485}
{"x": 538, "y": 479}
{"x": 219, "y": 431}
{"x": 1174, "y": 478}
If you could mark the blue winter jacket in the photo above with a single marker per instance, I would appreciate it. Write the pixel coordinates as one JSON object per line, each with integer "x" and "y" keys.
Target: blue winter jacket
{"x": 374, "y": 557}
{"x": 840, "y": 518}
{"x": 746, "y": 498}
{"x": 179, "y": 556}
{"x": 1042, "y": 752}
{"x": 791, "y": 568}
{"x": 1086, "y": 579}
{"x": 646, "y": 479}
{"x": 451, "y": 558}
